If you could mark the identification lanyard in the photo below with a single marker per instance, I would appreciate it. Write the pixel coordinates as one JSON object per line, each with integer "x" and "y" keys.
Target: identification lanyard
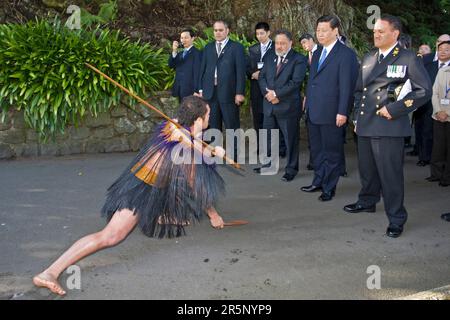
{"x": 265, "y": 51}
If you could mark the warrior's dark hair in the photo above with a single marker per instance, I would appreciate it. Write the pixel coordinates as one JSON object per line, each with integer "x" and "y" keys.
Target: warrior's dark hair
{"x": 191, "y": 108}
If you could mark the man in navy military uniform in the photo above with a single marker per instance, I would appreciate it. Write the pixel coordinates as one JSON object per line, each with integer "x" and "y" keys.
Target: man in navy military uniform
{"x": 186, "y": 64}
{"x": 381, "y": 120}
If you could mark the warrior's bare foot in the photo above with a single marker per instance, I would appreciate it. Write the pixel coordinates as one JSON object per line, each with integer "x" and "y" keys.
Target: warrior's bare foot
{"x": 46, "y": 280}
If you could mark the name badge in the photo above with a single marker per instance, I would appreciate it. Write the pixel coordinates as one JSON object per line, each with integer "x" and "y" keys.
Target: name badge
{"x": 445, "y": 102}
{"x": 394, "y": 71}
{"x": 260, "y": 65}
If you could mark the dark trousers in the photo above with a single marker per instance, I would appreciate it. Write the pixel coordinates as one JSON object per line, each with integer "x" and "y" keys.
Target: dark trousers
{"x": 440, "y": 158}
{"x": 423, "y": 126}
{"x": 327, "y": 150}
{"x": 228, "y": 113}
{"x": 258, "y": 119}
{"x": 310, "y": 161}
{"x": 380, "y": 162}
{"x": 257, "y": 113}
{"x": 289, "y": 127}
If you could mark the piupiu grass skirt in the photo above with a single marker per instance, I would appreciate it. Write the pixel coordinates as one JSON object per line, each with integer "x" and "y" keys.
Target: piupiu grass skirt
{"x": 164, "y": 194}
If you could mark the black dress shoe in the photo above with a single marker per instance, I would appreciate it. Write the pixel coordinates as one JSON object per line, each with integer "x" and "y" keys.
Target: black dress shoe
{"x": 422, "y": 163}
{"x": 344, "y": 174}
{"x": 432, "y": 179}
{"x": 394, "y": 232}
{"x": 356, "y": 207}
{"x": 287, "y": 177}
{"x": 309, "y": 167}
{"x": 311, "y": 188}
{"x": 443, "y": 184}
{"x": 446, "y": 216}
{"x": 326, "y": 196}
{"x": 258, "y": 170}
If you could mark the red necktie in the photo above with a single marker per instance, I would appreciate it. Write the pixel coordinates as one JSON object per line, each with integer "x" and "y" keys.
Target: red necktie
{"x": 279, "y": 65}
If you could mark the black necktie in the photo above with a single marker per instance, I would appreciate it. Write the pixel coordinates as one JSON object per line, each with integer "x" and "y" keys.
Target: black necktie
{"x": 441, "y": 65}
{"x": 380, "y": 58}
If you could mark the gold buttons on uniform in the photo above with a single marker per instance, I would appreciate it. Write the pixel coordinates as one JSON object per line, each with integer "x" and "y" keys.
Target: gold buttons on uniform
{"x": 378, "y": 97}
{"x": 362, "y": 112}
{"x": 362, "y": 105}
{"x": 378, "y": 106}
{"x": 379, "y": 89}
{"x": 364, "y": 97}
{"x": 365, "y": 89}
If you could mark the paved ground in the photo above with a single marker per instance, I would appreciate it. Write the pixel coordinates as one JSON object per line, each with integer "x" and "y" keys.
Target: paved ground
{"x": 294, "y": 247}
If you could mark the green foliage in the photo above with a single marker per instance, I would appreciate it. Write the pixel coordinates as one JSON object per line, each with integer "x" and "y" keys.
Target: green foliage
{"x": 423, "y": 20}
{"x": 107, "y": 13}
{"x": 43, "y": 72}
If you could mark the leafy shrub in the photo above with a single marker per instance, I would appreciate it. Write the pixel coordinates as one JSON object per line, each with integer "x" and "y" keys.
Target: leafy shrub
{"x": 43, "y": 72}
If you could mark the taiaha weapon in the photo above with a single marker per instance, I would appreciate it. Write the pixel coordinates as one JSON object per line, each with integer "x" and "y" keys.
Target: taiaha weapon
{"x": 177, "y": 125}
{"x": 235, "y": 223}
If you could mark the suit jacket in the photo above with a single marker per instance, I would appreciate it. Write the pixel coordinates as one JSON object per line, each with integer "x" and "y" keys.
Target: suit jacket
{"x": 428, "y": 58}
{"x": 330, "y": 89}
{"x": 286, "y": 84}
{"x": 230, "y": 71}
{"x": 432, "y": 68}
{"x": 254, "y": 56}
{"x": 186, "y": 72}
{"x": 371, "y": 93}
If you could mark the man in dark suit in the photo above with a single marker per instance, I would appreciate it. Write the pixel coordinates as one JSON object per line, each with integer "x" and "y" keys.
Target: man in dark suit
{"x": 382, "y": 121}
{"x": 280, "y": 79}
{"x": 222, "y": 79}
{"x": 423, "y": 122}
{"x": 186, "y": 64}
{"x": 257, "y": 55}
{"x": 428, "y": 58}
{"x": 334, "y": 71}
{"x": 309, "y": 45}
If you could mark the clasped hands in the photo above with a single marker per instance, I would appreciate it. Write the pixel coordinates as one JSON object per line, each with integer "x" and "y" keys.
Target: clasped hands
{"x": 383, "y": 112}
{"x": 442, "y": 116}
{"x": 271, "y": 96}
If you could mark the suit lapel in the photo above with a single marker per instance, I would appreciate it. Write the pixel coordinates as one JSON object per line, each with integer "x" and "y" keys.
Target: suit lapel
{"x": 315, "y": 62}
{"x": 283, "y": 65}
{"x": 329, "y": 57}
{"x": 226, "y": 47}
{"x": 378, "y": 68}
{"x": 258, "y": 50}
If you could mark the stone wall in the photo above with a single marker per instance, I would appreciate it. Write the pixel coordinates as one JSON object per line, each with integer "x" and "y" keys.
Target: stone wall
{"x": 122, "y": 129}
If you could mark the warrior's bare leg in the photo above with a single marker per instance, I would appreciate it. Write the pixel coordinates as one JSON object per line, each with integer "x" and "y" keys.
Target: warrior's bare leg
{"x": 121, "y": 224}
